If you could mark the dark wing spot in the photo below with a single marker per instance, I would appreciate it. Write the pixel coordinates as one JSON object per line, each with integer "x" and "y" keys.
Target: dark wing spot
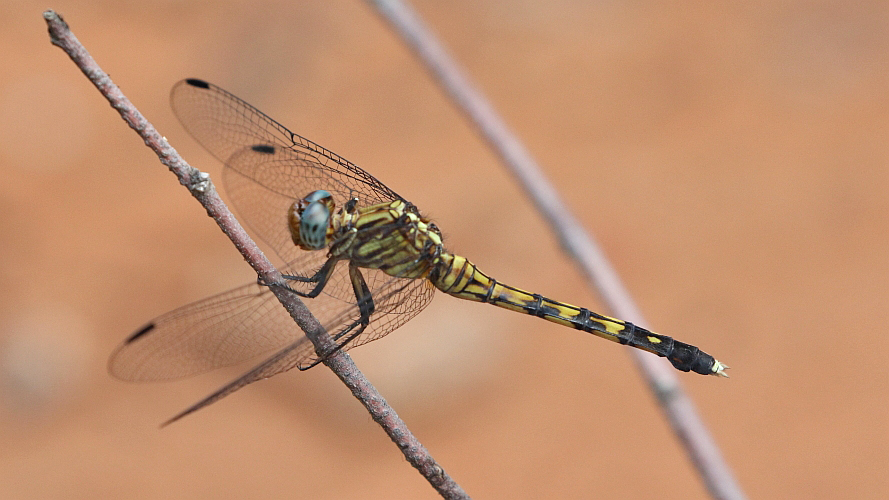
{"x": 264, "y": 148}
{"x": 194, "y": 82}
{"x": 145, "y": 329}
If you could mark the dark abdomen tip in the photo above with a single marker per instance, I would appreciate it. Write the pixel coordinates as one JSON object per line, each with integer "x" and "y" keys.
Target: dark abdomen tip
{"x": 687, "y": 357}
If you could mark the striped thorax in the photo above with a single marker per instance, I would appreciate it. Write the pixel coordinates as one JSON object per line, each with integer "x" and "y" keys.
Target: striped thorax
{"x": 392, "y": 237}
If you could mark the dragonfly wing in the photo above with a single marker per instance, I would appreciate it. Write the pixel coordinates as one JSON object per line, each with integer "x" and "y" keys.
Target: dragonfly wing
{"x": 242, "y": 323}
{"x": 282, "y": 361}
{"x": 262, "y": 185}
{"x": 397, "y": 301}
{"x": 225, "y": 125}
{"x": 222, "y": 330}
{"x": 268, "y": 166}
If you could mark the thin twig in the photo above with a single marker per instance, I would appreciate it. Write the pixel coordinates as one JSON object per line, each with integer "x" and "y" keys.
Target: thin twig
{"x": 201, "y": 188}
{"x": 661, "y": 378}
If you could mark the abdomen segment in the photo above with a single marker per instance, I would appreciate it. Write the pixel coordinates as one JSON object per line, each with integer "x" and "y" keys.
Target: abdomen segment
{"x": 458, "y": 277}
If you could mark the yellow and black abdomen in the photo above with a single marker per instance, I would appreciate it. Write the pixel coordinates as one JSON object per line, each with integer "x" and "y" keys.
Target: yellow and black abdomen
{"x": 457, "y": 276}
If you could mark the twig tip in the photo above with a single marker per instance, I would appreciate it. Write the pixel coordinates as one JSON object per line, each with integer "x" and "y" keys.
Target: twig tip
{"x": 53, "y": 16}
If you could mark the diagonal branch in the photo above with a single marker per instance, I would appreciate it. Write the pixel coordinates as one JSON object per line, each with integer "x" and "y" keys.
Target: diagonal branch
{"x": 662, "y": 380}
{"x": 198, "y": 183}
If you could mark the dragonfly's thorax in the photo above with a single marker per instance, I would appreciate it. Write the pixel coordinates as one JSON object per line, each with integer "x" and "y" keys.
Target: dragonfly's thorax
{"x": 392, "y": 237}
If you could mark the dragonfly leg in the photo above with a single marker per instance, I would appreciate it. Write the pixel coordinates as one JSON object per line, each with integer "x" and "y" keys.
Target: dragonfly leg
{"x": 365, "y": 303}
{"x": 362, "y": 293}
{"x": 320, "y": 279}
{"x": 366, "y": 307}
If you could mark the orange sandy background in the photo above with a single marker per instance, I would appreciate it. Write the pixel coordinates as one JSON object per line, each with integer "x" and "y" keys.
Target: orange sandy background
{"x": 733, "y": 160}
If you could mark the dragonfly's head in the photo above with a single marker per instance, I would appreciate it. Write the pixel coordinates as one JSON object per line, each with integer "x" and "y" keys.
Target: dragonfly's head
{"x": 309, "y": 220}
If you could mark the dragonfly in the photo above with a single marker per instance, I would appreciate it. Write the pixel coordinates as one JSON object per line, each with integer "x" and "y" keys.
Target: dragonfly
{"x": 364, "y": 258}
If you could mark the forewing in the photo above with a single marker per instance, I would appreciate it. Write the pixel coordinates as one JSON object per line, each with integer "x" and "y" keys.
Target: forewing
{"x": 265, "y": 152}
{"x": 261, "y": 186}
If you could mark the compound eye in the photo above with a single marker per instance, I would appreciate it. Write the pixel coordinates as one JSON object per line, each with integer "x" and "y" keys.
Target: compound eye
{"x": 317, "y": 196}
{"x": 313, "y": 224}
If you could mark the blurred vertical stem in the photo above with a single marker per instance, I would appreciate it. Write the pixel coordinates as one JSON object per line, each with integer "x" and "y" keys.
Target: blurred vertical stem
{"x": 661, "y": 378}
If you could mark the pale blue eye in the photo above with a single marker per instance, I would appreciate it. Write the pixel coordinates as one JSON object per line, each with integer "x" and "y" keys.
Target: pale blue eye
{"x": 317, "y": 195}
{"x": 313, "y": 224}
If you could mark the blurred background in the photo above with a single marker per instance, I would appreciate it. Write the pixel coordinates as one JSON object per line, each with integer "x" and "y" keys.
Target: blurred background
{"x": 733, "y": 160}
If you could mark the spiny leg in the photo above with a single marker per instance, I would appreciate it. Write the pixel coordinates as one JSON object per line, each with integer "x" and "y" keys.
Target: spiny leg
{"x": 366, "y": 307}
{"x": 320, "y": 278}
